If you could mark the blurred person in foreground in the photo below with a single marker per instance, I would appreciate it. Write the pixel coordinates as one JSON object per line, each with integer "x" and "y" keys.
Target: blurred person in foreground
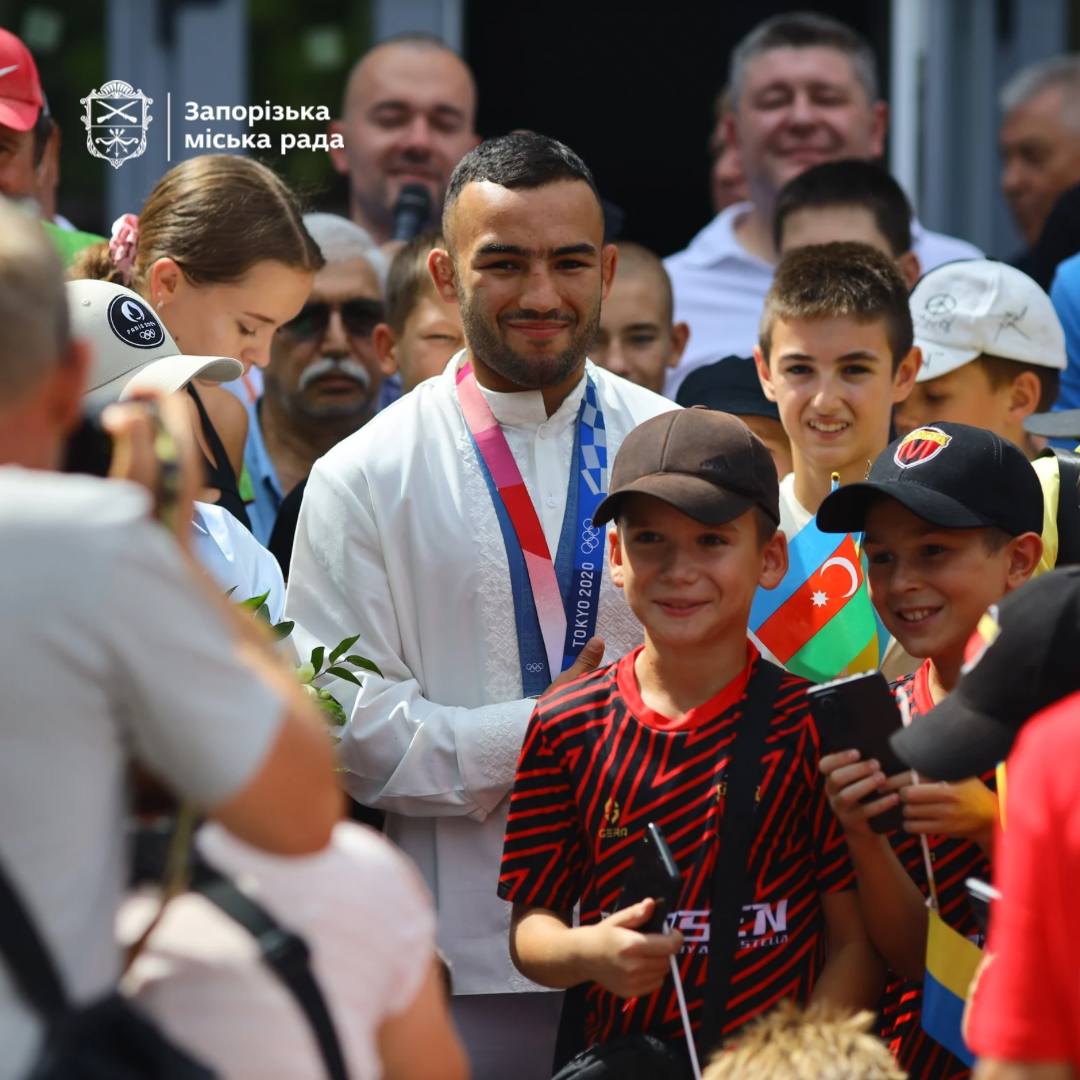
{"x": 408, "y": 117}
{"x": 114, "y": 651}
{"x": 1019, "y": 698}
{"x": 323, "y": 378}
{"x": 409, "y": 535}
{"x": 638, "y": 339}
{"x": 819, "y": 1042}
{"x": 804, "y": 89}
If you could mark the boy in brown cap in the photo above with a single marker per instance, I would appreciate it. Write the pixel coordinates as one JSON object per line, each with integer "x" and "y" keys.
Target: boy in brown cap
{"x": 682, "y": 732}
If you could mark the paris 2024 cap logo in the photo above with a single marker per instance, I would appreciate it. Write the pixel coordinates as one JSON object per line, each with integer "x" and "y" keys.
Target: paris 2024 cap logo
{"x": 116, "y": 118}
{"x": 133, "y": 324}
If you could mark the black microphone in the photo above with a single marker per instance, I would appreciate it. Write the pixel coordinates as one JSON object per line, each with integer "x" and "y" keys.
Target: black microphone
{"x": 412, "y": 211}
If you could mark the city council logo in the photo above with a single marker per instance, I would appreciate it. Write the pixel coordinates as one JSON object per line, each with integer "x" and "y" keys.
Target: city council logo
{"x": 116, "y": 118}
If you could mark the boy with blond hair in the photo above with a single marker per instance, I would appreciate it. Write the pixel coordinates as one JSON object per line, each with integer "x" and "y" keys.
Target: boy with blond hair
{"x": 816, "y": 1043}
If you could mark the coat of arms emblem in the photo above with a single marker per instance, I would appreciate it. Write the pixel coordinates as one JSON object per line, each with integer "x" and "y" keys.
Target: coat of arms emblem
{"x": 116, "y": 118}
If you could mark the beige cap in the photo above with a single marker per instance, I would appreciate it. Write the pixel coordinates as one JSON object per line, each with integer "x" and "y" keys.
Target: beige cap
{"x": 964, "y": 309}
{"x": 132, "y": 350}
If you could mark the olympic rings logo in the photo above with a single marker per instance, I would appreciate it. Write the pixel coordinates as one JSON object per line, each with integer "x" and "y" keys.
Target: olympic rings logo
{"x": 590, "y": 537}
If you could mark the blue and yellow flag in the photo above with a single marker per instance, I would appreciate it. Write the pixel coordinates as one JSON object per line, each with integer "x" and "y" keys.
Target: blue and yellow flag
{"x": 951, "y": 963}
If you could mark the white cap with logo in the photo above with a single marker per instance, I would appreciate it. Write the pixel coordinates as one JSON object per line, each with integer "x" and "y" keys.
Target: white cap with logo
{"x": 964, "y": 309}
{"x": 132, "y": 350}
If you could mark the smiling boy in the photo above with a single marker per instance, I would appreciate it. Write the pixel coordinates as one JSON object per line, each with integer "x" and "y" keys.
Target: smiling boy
{"x": 951, "y": 515}
{"x": 835, "y": 353}
{"x": 651, "y": 737}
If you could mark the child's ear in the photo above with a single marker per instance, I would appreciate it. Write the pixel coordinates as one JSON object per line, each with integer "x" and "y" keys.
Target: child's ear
{"x": 904, "y": 376}
{"x": 910, "y": 268}
{"x": 615, "y": 560}
{"x": 1024, "y": 552}
{"x": 385, "y": 345}
{"x": 774, "y": 561}
{"x": 680, "y": 335}
{"x": 1024, "y": 393}
{"x": 763, "y": 373}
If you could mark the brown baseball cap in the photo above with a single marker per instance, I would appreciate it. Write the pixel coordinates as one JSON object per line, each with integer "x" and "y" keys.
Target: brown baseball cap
{"x": 707, "y": 464}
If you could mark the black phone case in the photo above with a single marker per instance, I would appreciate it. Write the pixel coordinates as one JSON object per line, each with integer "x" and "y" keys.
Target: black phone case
{"x": 860, "y": 713}
{"x": 652, "y": 873}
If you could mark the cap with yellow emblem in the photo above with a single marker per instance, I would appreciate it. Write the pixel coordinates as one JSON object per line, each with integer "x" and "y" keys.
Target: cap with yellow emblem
{"x": 954, "y": 476}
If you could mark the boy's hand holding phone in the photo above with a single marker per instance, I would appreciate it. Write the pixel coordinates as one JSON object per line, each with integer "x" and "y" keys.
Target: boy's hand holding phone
{"x": 621, "y": 958}
{"x": 849, "y": 779}
{"x": 966, "y": 810}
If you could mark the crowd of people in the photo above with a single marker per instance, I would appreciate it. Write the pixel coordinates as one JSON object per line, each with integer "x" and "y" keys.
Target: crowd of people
{"x": 567, "y": 557}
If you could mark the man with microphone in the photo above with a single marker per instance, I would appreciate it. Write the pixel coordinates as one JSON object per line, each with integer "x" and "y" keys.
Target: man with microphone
{"x": 408, "y": 117}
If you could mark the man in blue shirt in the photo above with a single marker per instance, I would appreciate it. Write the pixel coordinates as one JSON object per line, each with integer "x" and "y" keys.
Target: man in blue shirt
{"x": 324, "y": 380}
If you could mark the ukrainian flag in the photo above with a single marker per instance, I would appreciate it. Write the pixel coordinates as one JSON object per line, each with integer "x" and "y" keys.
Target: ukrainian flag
{"x": 951, "y": 963}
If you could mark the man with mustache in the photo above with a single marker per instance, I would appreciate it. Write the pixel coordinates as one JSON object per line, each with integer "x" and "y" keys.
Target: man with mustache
{"x": 323, "y": 379}
{"x": 407, "y": 118}
{"x": 454, "y": 534}
{"x": 803, "y": 90}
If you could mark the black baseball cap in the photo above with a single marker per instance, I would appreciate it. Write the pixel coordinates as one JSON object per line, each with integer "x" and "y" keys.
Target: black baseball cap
{"x": 1021, "y": 658}
{"x": 707, "y": 464}
{"x": 953, "y": 475}
{"x": 730, "y": 385}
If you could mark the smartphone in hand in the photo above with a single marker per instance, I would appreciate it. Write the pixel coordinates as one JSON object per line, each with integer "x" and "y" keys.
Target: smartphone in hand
{"x": 860, "y": 713}
{"x": 653, "y": 873}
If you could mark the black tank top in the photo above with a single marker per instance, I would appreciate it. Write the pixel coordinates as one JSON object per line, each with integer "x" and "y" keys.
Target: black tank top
{"x": 220, "y": 473}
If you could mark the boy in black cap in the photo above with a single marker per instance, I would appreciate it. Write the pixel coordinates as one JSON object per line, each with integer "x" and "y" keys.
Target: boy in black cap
{"x": 651, "y": 738}
{"x": 951, "y": 516}
{"x": 1025, "y": 1004}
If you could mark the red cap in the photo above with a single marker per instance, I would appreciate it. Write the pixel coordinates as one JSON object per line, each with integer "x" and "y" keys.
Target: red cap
{"x": 21, "y": 99}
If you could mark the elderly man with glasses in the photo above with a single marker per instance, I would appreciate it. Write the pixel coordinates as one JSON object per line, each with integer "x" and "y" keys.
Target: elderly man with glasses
{"x": 323, "y": 380}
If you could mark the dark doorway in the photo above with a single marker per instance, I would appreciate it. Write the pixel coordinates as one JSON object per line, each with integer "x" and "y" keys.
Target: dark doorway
{"x": 630, "y": 86}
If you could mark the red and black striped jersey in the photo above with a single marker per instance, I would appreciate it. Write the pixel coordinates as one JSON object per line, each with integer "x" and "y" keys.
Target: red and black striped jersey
{"x": 953, "y": 860}
{"x": 598, "y": 765}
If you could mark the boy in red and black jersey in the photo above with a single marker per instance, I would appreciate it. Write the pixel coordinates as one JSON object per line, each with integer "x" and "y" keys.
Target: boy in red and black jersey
{"x": 694, "y": 496}
{"x": 952, "y": 516}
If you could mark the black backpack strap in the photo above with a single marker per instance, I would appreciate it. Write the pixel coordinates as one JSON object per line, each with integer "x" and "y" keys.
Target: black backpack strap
{"x": 30, "y": 962}
{"x": 737, "y": 831}
{"x": 286, "y": 953}
{"x": 1068, "y": 508}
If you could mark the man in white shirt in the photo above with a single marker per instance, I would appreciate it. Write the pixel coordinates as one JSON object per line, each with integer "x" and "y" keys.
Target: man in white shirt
{"x": 409, "y": 536}
{"x": 803, "y": 90}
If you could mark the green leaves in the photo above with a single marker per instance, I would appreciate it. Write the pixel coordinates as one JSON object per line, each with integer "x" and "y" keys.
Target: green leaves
{"x": 343, "y": 647}
{"x": 319, "y": 666}
{"x": 365, "y": 663}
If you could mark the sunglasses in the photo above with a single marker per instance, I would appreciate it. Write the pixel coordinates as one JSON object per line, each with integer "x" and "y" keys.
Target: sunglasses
{"x": 359, "y": 318}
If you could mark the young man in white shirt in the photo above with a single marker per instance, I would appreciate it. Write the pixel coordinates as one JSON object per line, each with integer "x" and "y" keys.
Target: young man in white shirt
{"x": 409, "y": 536}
